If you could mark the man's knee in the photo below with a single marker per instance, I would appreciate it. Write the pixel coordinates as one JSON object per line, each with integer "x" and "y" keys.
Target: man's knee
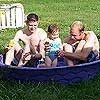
{"x": 67, "y": 47}
{"x": 36, "y": 57}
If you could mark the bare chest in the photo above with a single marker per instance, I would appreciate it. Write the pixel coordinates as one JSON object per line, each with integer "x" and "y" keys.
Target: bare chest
{"x": 33, "y": 39}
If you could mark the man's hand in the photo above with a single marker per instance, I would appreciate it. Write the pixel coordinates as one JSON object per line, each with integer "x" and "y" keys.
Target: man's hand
{"x": 7, "y": 48}
{"x": 60, "y": 53}
{"x": 9, "y": 45}
{"x": 47, "y": 46}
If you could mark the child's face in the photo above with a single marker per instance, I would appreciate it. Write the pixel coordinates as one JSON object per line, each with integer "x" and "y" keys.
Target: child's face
{"x": 54, "y": 35}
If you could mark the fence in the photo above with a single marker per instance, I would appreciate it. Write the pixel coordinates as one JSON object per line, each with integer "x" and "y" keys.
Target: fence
{"x": 11, "y": 15}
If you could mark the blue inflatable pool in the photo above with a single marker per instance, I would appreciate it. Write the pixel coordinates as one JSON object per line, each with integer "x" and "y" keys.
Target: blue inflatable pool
{"x": 61, "y": 74}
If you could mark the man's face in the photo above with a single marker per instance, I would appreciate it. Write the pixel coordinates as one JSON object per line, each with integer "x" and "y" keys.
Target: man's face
{"x": 32, "y": 26}
{"x": 75, "y": 34}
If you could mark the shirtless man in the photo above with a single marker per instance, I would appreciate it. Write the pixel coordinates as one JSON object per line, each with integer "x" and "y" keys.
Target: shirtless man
{"x": 30, "y": 36}
{"x": 79, "y": 45}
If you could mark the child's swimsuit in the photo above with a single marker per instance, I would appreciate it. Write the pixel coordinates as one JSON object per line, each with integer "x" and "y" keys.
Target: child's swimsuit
{"x": 54, "y": 46}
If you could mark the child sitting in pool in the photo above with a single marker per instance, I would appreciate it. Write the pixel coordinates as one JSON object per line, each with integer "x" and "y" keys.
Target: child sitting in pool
{"x": 51, "y": 45}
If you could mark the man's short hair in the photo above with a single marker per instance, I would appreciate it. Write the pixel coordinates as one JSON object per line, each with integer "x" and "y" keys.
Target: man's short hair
{"x": 78, "y": 24}
{"x": 32, "y": 17}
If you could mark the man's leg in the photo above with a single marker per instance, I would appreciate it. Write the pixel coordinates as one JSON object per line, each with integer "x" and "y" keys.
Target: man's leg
{"x": 26, "y": 56}
{"x": 9, "y": 56}
{"x": 17, "y": 57}
{"x": 68, "y": 48}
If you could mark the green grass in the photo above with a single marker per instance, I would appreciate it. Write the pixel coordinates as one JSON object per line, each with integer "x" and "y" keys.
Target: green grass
{"x": 63, "y": 13}
{"x": 85, "y": 90}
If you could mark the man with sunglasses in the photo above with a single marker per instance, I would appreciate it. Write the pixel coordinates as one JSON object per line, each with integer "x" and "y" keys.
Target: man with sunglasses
{"x": 80, "y": 46}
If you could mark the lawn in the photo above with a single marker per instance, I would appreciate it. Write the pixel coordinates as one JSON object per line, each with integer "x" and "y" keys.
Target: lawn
{"x": 63, "y": 13}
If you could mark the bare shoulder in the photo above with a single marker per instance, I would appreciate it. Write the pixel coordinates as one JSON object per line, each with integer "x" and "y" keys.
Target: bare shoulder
{"x": 90, "y": 32}
{"x": 41, "y": 33}
{"x": 67, "y": 39}
{"x": 59, "y": 40}
{"x": 40, "y": 30}
{"x": 18, "y": 33}
{"x": 21, "y": 32}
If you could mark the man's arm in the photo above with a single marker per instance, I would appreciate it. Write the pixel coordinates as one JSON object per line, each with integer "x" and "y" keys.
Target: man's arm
{"x": 18, "y": 36}
{"x": 42, "y": 34}
{"x": 84, "y": 52}
{"x": 42, "y": 47}
{"x": 43, "y": 39}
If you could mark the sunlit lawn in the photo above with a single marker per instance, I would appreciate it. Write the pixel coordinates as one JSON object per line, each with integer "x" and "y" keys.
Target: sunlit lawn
{"x": 63, "y": 13}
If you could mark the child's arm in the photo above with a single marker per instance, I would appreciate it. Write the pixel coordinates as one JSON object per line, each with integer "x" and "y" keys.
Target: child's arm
{"x": 61, "y": 45}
